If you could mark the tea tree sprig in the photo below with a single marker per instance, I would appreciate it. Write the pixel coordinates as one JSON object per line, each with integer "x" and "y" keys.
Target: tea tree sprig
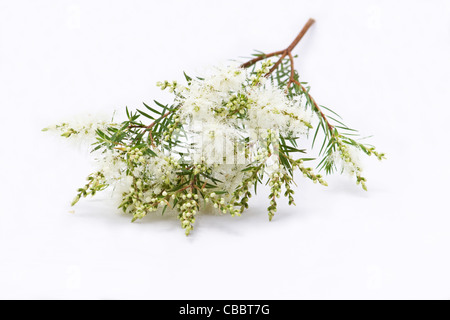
{"x": 220, "y": 137}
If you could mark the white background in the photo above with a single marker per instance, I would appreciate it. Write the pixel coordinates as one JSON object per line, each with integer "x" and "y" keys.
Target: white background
{"x": 383, "y": 65}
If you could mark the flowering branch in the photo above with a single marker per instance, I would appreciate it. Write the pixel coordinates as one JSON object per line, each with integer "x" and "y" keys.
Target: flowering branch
{"x": 222, "y": 136}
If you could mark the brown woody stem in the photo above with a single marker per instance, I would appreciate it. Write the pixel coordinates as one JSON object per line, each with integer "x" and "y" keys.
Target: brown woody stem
{"x": 284, "y": 52}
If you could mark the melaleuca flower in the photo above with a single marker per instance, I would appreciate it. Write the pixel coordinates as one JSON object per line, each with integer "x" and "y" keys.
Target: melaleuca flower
{"x": 222, "y": 135}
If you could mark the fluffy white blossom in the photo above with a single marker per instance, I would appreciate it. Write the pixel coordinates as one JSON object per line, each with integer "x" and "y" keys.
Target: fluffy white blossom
{"x": 231, "y": 176}
{"x": 272, "y": 109}
{"x": 226, "y": 107}
{"x": 82, "y": 128}
{"x": 349, "y": 160}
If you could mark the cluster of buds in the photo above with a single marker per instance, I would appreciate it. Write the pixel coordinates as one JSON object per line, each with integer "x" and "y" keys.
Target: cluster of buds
{"x": 172, "y": 162}
{"x": 351, "y": 164}
{"x": 138, "y": 201}
{"x": 237, "y": 106}
{"x": 372, "y": 150}
{"x": 166, "y": 84}
{"x": 188, "y": 207}
{"x": 201, "y": 167}
{"x": 295, "y": 117}
{"x": 137, "y": 198}
{"x": 361, "y": 180}
{"x": 96, "y": 182}
{"x": 275, "y": 190}
{"x": 64, "y": 127}
{"x": 309, "y": 173}
{"x": 261, "y": 155}
{"x": 69, "y": 132}
{"x": 170, "y": 165}
{"x": 135, "y": 155}
{"x": 265, "y": 67}
{"x": 272, "y": 140}
{"x": 287, "y": 180}
{"x": 243, "y": 191}
{"x": 171, "y": 128}
{"x": 222, "y": 204}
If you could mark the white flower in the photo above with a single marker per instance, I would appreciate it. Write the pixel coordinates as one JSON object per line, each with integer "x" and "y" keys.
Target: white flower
{"x": 352, "y": 163}
{"x": 272, "y": 164}
{"x": 272, "y": 109}
{"x": 210, "y": 108}
{"x": 83, "y": 128}
{"x": 227, "y": 78}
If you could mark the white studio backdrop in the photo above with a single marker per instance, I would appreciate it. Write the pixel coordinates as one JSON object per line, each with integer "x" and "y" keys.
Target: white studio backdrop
{"x": 382, "y": 65}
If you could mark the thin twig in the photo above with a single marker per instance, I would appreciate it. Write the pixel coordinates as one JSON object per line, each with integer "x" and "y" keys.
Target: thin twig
{"x": 261, "y": 57}
{"x": 282, "y": 52}
{"x": 292, "y": 77}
